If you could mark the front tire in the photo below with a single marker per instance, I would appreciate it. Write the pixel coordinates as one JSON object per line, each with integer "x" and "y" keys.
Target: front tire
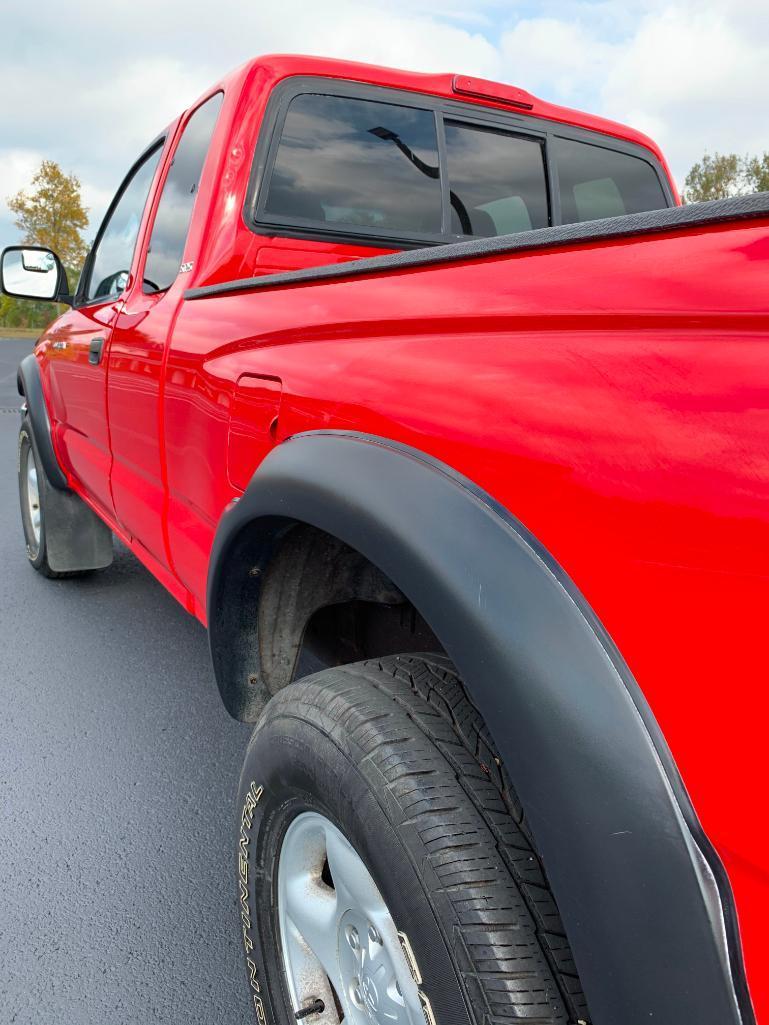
{"x": 31, "y": 493}
{"x": 64, "y": 538}
{"x": 383, "y": 865}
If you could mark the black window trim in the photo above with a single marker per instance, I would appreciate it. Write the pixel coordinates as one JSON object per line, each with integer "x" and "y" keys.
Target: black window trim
{"x": 370, "y": 236}
{"x": 440, "y": 136}
{"x": 645, "y": 155}
{"x": 81, "y": 302}
{"x": 443, "y": 108}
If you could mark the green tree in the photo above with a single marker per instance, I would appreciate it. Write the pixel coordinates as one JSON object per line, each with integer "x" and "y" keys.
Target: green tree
{"x": 726, "y": 174}
{"x": 53, "y": 214}
{"x": 714, "y": 177}
{"x": 10, "y": 311}
{"x": 757, "y": 173}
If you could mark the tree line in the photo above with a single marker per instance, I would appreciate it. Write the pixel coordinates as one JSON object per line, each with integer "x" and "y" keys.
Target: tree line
{"x": 52, "y": 215}
{"x": 726, "y": 174}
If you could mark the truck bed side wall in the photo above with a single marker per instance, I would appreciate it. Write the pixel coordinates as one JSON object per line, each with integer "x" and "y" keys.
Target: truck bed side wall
{"x": 612, "y": 399}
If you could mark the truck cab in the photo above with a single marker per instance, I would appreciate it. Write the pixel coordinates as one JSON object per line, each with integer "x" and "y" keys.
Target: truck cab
{"x": 291, "y": 163}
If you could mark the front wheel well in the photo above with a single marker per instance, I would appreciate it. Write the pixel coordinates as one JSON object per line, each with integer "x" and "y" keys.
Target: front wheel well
{"x": 293, "y": 600}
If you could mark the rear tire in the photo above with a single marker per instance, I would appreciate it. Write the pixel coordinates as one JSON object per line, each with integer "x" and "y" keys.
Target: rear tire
{"x": 392, "y": 755}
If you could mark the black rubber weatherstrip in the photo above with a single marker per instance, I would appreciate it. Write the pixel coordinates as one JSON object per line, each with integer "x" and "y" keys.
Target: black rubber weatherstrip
{"x": 645, "y": 900}
{"x": 31, "y": 388}
{"x": 652, "y": 222}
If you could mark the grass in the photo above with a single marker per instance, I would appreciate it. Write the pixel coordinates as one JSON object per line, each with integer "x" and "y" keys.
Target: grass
{"x": 20, "y": 332}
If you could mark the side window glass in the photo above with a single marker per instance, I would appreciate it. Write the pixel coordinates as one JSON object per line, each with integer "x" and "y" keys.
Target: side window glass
{"x": 111, "y": 260}
{"x": 498, "y": 182}
{"x": 172, "y": 220}
{"x": 353, "y": 163}
{"x": 598, "y": 182}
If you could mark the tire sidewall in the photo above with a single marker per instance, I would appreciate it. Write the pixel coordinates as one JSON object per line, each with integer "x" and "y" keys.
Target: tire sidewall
{"x": 35, "y": 549}
{"x": 293, "y": 766}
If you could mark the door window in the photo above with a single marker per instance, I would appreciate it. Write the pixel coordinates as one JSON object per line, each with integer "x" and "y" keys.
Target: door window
{"x": 172, "y": 220}
{"x": 498, "y": 181}
{"x": 111, "y": 259}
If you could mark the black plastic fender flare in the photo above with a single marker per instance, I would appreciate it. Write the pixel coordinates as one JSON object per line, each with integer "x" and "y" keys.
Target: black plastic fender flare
{"x": 644, "y": 898}
{"x": 30, "y": 386}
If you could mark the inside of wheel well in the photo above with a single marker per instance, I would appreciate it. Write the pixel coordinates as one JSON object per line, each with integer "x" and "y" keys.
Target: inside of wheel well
{"x": 295, "y": 600}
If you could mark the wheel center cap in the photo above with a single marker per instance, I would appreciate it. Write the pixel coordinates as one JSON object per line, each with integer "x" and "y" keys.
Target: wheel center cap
{"x": 365, "y": 968}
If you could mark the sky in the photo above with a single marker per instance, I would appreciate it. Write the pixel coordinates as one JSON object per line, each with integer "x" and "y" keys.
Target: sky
{"x": 89, "y": 84}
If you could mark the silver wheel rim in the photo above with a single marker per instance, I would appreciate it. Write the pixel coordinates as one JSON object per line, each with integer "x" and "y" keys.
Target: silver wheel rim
{"x": 33, "y": 496}
{"x": 340, "y": 936}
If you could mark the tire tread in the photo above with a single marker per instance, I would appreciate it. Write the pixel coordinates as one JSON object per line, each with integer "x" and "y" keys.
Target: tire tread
{"x": 512, "y": 953}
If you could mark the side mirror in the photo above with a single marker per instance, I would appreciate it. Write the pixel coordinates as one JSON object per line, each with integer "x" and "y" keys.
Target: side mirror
{"x": 33, "y": 272}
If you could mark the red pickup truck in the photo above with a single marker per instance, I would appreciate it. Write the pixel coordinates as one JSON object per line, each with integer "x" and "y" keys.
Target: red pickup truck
{"x": 430, "y": 400}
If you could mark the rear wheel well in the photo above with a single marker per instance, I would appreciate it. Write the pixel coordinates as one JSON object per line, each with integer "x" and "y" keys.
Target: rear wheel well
{"x": 294, "y": 600}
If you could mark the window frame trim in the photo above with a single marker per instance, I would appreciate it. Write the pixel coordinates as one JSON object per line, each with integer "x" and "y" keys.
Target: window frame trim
{"x": 372, "y": 236}
{"x": 597, "y": 145}
{"x": 271, "y": 128}
{"x": 80, "y": 301}
{"x": 535, "y": 136}
{"x": 168, "y": 164}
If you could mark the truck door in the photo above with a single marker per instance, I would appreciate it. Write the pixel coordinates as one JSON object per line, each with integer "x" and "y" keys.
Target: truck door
{"x": 81, "y": 338}
{"x": 140, "y": 335}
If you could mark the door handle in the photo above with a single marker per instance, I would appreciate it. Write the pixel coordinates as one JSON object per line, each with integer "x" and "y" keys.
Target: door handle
{"x": 95, "y": 351}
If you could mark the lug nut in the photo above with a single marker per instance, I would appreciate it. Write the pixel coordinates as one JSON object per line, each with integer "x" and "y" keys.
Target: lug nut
{"x": 373, "y": 935}
{"x": 352, "y": 937}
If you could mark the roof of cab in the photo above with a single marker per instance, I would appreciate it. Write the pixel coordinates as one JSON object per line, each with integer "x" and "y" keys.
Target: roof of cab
{"x": 271, "y": 69}
{"x": 275, "y": 67}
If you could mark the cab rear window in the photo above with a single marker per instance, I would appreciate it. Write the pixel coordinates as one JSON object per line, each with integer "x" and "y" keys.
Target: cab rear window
{"x": 357, "y": 164}
{"x": 497, "y": 180}
{"x": 370, "y": 167}
{"x": 598, "y": 182}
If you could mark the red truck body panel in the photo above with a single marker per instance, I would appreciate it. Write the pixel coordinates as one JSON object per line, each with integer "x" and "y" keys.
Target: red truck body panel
{"x": 612, "y": 403}
{"x": 613, "y": 396}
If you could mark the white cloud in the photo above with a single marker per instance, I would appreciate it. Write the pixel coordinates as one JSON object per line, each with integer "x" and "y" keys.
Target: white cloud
{"x": 690, "y": 74}
{"x": 16, "y": 168}
{"x": 555, "y": 59}
{"x": 695, "y": 75}
{"x": 91, "y": 91}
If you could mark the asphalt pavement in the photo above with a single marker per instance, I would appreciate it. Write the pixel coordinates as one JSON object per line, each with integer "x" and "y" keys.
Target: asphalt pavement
{"x": 118, "y": 773}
